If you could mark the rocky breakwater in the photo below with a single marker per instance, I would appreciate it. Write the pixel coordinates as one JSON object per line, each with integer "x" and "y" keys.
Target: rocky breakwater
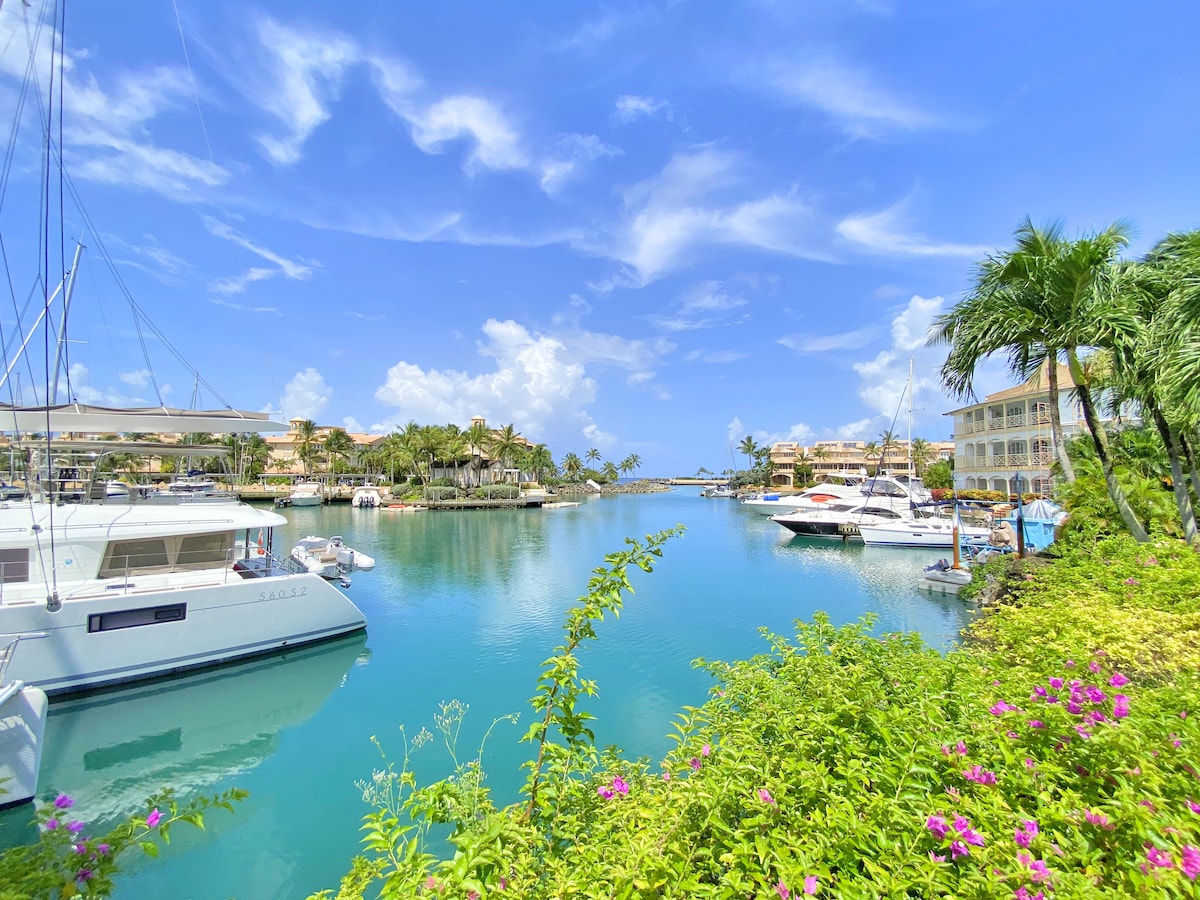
{"x": 629, "y": 487}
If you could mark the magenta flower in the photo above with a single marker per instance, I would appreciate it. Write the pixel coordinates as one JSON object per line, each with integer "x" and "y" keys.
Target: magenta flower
{"x": 51, "y": 824}
{"x": 666, "y": 776}
{"x": 1120, "y": 706}
{"x": 1056, "y": 683}
{"x": 1159, "y": 858}
{"x": 1024, "y": 835}
{"x": 1001, "y": 708}
{"x": 62, "y": 801}
{"x": 1094, "y": 694}
{"x": 1036, "y": 723}
{"x": 605, "y": 792}
{"x": 705, "y": 750}
{"x": 810, "y": 884}
{"x": 80, "y": 849}
{"x": 83, "y": 875}
{"x": 937, "y": 825}
{"x": 695, "y": 764}
{"x": 1118, "y": 680}
{"x": 1074, "y": 707}
{"x": 1132, "y": 581}
{"x": 782, "y": 890}
{"x": 153, "y": 819}
{"x": 1037, "y": 867}
{"x": 1029, "y": 763}
{"x": 979, "y": 775}
{"x": 103, "y": 849}
{"x": 1099, "y": 819}
{"x": 961, "y": 748}
{"x": 958, "y": 848}
{"x": 1094, "y": 666}
{"x": 936, "y": 857}
{"x": 961, "y": 823}
{"x": 1193, "y": 806}
{"x": 75, "y": 826}
{"x": 1190, "y": 861}
{"x": 765, "y": 796}
{"x": 972, "y": 837}
{"x": 620, "y": 786}
{"x": 1069, "y": 664}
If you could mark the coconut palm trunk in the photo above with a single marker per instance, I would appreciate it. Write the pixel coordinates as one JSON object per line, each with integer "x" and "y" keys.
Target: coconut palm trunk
{"x": 1183, "y": 500}
{"x": 1100, "y": 441}
{"x": 1056, "y": 429}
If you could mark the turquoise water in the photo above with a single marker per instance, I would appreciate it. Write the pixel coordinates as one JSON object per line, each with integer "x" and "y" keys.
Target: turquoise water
{"x": 462, "y": 606}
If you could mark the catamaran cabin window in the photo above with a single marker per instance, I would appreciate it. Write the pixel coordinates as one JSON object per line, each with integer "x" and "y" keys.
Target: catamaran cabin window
{"x": 193, "y": 551}
{"x": 14, "y": 565}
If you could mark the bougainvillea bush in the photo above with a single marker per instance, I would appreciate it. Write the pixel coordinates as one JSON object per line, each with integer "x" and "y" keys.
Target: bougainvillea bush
{"x": 1049, "y": 757}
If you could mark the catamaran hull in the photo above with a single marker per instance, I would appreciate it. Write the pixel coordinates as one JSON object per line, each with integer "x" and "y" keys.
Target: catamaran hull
{"x": 22, "y": 727}
{"x": 106, "y": 640}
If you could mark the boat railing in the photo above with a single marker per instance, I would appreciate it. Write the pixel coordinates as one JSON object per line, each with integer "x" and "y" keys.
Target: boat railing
{"x": 10, "y": 648}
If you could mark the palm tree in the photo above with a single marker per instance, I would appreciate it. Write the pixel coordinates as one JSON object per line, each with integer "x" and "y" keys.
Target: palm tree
{"x": 870, "y": 451}
{"x": 539, "y": 461}
{"x": 922, "y": 451}
{"x": 888, "y": 442}
{"x": 505, "y": 444}
{"x": 593, "y": 455}
{"x": 748, "y": 446}
{"x": 801, "y": 464}
{"x": 1049, "y": 296}
{"x": 820, "y": 454}
{"x": 479, "y": 436}
{"x": 454, "y": 448}
{"x": 306, "y": 444}
{"x": 338, "y": 447}
{"x": 609, "y": 471}
{"x": 572, "y": 466}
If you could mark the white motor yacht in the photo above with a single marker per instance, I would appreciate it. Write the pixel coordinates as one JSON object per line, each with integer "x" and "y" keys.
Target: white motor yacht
{"x": 840, "y": 519}
{"x": 912, "y": 531}
{"x": 307, "y": 493}
{"x": 133, "y": 590}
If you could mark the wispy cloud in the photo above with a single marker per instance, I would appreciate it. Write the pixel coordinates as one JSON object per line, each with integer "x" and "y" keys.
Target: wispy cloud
{"x": 304, "y": 77}
{"x": 236, "y": 284}
{"x": 714, "y": 357}
{"x": 670, "y": 216}
{"x": 846, "y": 94}
{"x": 706, "y": 305}
{"x": 631, "y": 107}
{"x": 496, "y": 143}
{"x": 570, "y": 152}
{"x": 825, "y": 343}
{"x": 885, "y": 233}
{"x": 241, "y": 307}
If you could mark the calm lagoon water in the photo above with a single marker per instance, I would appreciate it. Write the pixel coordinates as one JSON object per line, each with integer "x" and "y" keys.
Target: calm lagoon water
{"x": 460, "y": 606}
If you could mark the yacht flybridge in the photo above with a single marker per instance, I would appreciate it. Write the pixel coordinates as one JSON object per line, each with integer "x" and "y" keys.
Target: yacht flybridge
{"x": 133, "y": 589}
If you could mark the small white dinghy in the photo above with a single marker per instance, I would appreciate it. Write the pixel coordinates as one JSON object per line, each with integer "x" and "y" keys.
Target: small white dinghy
{"x": 944, "y": 577}
{"x": 22, "y": 728}
{"x": 330, "y": 557}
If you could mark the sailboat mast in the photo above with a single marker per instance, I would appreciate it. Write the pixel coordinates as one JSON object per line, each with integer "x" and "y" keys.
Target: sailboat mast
{"x": 52, "y": 398}
{"x": 910, "y": 416}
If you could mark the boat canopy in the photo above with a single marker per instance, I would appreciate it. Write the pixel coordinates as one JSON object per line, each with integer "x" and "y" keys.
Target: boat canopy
{"x": 79, "y": 417}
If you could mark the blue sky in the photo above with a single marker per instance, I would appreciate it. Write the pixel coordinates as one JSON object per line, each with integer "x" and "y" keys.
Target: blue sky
{"x": 648, "y": 228}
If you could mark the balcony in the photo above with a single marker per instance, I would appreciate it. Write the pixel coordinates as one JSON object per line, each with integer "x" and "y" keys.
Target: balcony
{"x": 1040, "y": 459}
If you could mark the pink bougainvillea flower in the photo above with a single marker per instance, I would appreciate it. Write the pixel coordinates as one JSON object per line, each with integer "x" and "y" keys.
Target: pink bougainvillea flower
{"x": 972, "y": 837}
{"x": 1036, "y": 723}
{"x": 1083, "y": 732}
{"x": 1094, "y": 693}
{"x": 1074, "y": 707}
{"x": 473, "y": 895}
{"x": 961, "y": 823}
{"x": 1001, "y": 708}
{"x": 979, "y": 775}
{"x": 153, "y": 819}
{"x": 961, "y": 748}
{"x": 706, "y": 749}
{"x": 1132, "y": 581}
{"x": 810, "y": 884}
{"x": 958, "y": 848}
{"x": 51, "y": 824}
{"x": 1029, "y": 763}
{"x": 666, "y": 776}
{"x": 1189, "y": 861}
{"x": 1069, "y": 664}
{"x": 620, "y": 786}
{"x": 1159, "y": 858}
{"x": 1120, "y": 706}
{"x": 605, "y": 792}
{"x": 694, "y": 763}
{"x": 1025, "y": 834}
{"x": 782, "y": 890}
{"x": 83, "y": 875}
{"x": 1099, "y": 819}
{"x": 937, "y": 825}
{"x": 80, "y": 849}
{"x": 1056, "y": 683}
{"x": 431, "y": 884}
{"x": 62, "y": 801}
{"x": 1193, "y": 806}
{"x": 103, "y": 849}
{"x": 1094, "y": 666}
{"x": 75, "y": 826}
{"x": 936, "y": 857}
{"x": 1038, "y": 691}
{"x": 765, "y": 796}
{"x": 1118, "y": 680}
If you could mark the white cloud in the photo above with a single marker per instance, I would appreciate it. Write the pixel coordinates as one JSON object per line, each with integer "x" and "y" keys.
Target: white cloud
{"x": 138, "y": 378}
{"x": 883, "y": 379}
{"x": 846, "y": 94}
{"x": 570, "y": 152}
{"x": 669, "y": 217}
{"x": 884, "y": 233}
{"x": 714, "y": 357}
{"x": 824, "y": 343}
{"x": 236, "y": 284}
{"x": 160, "y": 264}
{"x": 82, "y": 390}
{"x": 856, "y": 431}
{"x": 107, "y": 126}
{"x": 497, "y": 145}
{"x": 631, "y": 107}
{"x": 352, "y": 425}
{"x": 306, "y": 395}
{"x": 706, "y": 305}
{"x": 305, "y": 74}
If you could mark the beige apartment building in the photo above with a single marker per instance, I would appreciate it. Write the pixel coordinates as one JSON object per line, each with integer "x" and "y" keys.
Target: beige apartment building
{"x": 1007, "y": 434}
{"x": 841, "y": 456}
{"x": 284, "y": 446}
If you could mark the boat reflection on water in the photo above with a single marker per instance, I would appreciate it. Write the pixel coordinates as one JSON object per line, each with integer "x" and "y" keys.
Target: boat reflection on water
{"x": 110, "y": 750}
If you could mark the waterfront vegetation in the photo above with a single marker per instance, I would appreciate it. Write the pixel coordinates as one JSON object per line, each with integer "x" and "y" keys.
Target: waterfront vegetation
{"x": 1053, "y": 754}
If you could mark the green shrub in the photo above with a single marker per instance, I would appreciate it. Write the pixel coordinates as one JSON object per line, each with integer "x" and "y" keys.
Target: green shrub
{"x": 497, "y": 492}
{"x": 440, "y": 493}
